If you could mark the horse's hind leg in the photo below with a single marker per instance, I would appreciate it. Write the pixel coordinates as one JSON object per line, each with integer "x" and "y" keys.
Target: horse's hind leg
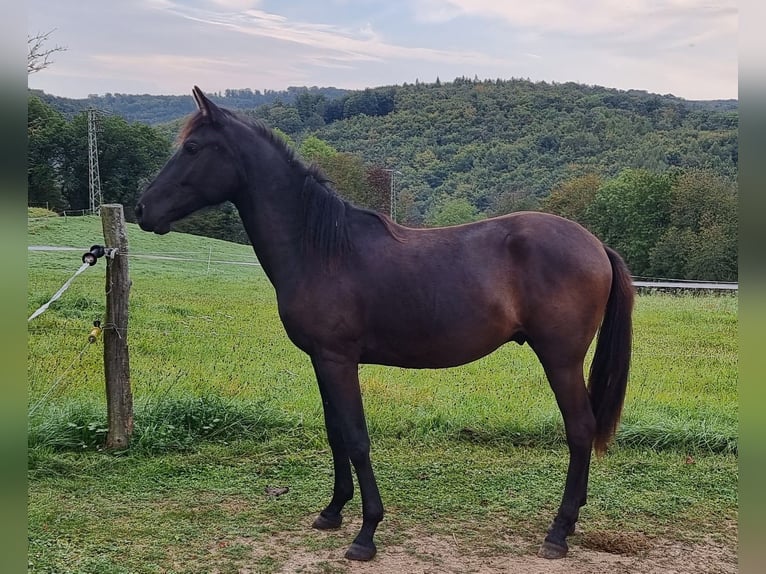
{"x": 580, "y": 425}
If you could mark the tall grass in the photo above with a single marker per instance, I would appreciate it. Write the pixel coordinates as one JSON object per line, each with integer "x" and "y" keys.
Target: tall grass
{"x": 210, "y": 361}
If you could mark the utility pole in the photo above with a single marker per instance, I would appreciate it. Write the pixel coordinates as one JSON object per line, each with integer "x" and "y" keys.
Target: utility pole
{"x": 94, "y": 179}
{"x": 391, "y": 193}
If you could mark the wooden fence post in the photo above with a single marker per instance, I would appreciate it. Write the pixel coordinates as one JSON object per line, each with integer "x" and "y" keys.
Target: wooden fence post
{"x": 119, "y": 399}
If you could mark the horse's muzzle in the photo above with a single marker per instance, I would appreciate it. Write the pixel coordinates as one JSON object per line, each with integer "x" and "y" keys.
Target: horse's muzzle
{"x": 147, "y": 224}
{"x": 139, "y": 211}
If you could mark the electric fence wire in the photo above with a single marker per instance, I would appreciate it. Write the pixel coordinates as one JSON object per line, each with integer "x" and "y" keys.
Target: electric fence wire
{"x": 59, "y": 381}
{"x": 58, "y": 293}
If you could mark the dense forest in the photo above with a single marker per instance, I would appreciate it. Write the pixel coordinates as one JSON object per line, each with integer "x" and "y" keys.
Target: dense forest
{"x": 152, "y": 109}
{"x": 503, "y": 145}
{"x": 655, "y": 176}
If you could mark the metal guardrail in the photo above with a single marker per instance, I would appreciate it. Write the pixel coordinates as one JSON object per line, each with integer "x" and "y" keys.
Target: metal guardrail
{"x": 715, "y": 285}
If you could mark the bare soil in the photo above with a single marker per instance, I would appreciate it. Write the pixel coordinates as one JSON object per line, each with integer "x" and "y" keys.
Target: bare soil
{"x": 420, "y": 553}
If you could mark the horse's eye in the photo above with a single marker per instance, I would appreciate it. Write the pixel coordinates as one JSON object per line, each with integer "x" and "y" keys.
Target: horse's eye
{"x": 191, "y": 147}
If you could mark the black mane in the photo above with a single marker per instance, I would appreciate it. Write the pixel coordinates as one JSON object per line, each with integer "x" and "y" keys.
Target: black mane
{"x": 325, "y": 218}
{"x": 326, "y": 215}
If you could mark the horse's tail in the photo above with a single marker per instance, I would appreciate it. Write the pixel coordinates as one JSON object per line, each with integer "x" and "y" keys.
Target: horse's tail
{"x": 608, "y": 376}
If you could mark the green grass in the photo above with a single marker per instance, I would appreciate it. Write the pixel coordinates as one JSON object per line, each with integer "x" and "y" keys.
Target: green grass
{"x": 94, "y": 513}
{"x": 200, "y": 330}
{"x": 226, "y": 406}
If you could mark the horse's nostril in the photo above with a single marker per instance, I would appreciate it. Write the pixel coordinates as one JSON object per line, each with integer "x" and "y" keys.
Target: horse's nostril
{"x": 139, "y": 210}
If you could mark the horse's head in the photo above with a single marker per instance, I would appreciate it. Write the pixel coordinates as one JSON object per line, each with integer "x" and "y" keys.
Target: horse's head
{"x": 203, "y": 171}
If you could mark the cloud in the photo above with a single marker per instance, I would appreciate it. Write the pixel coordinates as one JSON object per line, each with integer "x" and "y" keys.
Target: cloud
{"x": 336, "y": 43}
{"x": 237, "y": 5}
{"x": 638, "y": 19}
{"x": 686, "y": 47}
{"x": 162, "y": 62}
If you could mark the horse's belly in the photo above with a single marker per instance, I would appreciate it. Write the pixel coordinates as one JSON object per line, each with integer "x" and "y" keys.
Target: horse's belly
{"x": 435, "y": 350}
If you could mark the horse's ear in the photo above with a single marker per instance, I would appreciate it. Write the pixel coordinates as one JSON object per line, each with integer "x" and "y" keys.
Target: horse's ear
{"x": 205, "y": 106}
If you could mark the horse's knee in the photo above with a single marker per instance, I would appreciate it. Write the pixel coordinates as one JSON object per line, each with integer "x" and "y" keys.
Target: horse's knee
{"x": 358, "y": 452}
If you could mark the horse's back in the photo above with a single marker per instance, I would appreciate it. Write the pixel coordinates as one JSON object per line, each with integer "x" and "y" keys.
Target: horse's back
{"x": 536, "y": 251}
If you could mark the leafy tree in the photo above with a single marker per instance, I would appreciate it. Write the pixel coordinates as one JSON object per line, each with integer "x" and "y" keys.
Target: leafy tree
{"x": 290, "y": 142}
{"x": 347, "y": 174}
{"x": 701, "y": 240}
{"x": 220, "y": 222}
{"x": 46, "y": 145}
{"x": 407, "y": 209}
{"x": 286, "y": 118}
{"x": 311, "y": 109}
{"x": 129, "y": 154}
{"x": 572, "y": 197}
{"x": 669, "y": 255}
{"x": 317, "y": 151}
{"x": 514, "y": 200}
{"x": 378, "y": 183}
{"x": 630, "y": 212}
{"x": 716, "y": 255}
{"x": 452, "y": 211}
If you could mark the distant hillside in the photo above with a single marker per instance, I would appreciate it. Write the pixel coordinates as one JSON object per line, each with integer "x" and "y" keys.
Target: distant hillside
{"x": 494, "y": 145}
{"x": 150, "y": 109}
{"x": 501, "y": 145}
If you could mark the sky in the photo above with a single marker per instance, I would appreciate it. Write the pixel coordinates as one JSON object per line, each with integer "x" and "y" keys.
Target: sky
{"x": 687, "y": 48}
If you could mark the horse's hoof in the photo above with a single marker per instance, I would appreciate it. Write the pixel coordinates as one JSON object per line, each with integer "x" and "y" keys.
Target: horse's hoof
{"x": 552, "y": 551}
{"x": 359, "y": 552}
{"x": 321, "y": 522}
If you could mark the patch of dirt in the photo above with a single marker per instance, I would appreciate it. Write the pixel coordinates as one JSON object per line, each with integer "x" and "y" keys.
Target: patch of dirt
{"x": 593, "y": 553}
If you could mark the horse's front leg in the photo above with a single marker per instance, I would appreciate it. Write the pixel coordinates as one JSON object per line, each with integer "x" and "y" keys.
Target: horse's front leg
{"x": 343, "y": 489}
{"x": 339, "y": 381}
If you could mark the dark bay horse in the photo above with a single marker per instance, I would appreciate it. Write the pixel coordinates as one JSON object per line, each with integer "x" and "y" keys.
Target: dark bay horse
{"x": 354, "y": 287}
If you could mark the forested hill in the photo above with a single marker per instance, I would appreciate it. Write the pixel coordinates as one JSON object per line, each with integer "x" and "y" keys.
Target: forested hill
{"x": 151, "y": 109}
{"x": 498, "y": 145}
{"x": 502, "y": 144}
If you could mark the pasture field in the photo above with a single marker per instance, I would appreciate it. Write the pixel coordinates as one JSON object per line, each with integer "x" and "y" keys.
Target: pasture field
{"x": 226, "y": 407}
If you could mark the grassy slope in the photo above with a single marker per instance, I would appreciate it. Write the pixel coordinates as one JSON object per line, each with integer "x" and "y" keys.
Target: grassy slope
{"x": 209, "y": 359}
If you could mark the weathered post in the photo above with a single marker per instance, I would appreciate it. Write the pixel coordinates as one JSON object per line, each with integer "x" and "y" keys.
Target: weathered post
{"x": 119, "y": 399}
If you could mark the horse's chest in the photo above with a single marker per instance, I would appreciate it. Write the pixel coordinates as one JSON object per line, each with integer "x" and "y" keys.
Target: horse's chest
{"x": 313, "y": 323}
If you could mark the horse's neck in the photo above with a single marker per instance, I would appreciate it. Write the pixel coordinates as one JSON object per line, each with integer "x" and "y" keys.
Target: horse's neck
{"x": 271, "y": 215}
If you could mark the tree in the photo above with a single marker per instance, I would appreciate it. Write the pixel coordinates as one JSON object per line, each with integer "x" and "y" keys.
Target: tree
{"x": 129, "y": 154}
{"x": 378, "y": 183}
{"x": 347, "y": 174}
{"x": 46, "y": 145}
{"x": 451, "y": 211}
{"x": 317, "y": 151}
{"x": 38, "y": 56}
{"x": 220, "y": 222}
{"x": 701, "y": 241}
{"x": 286, "y": 118}
{"x": 630, "y": 212}
{"x": 572, "y": 197}
{"x": 288, "y": 141}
